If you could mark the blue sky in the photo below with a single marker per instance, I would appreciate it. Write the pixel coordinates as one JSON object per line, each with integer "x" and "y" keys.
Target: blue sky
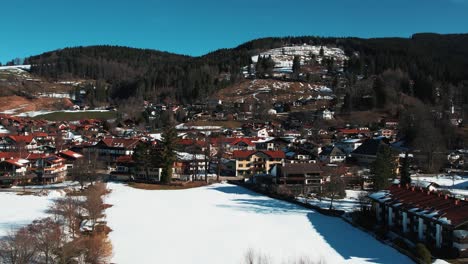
{"x": 196, "y": 27}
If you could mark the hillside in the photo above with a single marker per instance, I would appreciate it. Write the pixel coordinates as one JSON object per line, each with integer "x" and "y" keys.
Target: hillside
{"x": 432, "y": 62}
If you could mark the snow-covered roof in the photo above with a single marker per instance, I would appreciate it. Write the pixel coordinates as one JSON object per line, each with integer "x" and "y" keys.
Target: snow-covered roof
{"x": 189, "y": 156}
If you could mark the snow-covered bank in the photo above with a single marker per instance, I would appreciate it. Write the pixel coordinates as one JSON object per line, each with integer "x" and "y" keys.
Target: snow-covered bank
{"x": 20, "y": 210}
{"x": 220, "y": 223}
{"x": 44, "y": 112}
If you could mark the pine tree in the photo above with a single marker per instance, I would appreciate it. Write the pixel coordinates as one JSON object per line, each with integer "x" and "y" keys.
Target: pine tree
{"x": 168, "y": 155}
{"x": 405, "y": 177}
{"x": 296, "y": 66}
{"x": 383, "y": 168}
{"x": 145, "y": 157}
{"x": 321, "y": 52}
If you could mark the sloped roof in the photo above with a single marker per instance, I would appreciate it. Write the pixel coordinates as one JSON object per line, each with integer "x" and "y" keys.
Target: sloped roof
{"x": 436, "y": 205}
{"x": 126, "y": 143}
{"x": 71, "y": 154}
{"x": 275, "y": 154}
{"x": 18, "y": 162}
{"x": 8, "y": 155}
{"x": 369, "y": 147}
{"x": 332, "y": 151}
{"x": 242, "y": 140}
{"x": 125, "y": 159}
{"x": 300, "y": 168}
{"x": 26, "y": 139}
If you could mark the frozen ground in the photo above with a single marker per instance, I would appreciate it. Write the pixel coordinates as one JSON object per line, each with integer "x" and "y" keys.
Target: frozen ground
{"x": 20, "y": 210}
{"x": 219, "y": 223}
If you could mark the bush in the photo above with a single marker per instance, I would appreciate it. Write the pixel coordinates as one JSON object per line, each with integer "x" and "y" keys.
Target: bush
{"x": 423, "y": 253}
{"x": 400, "y": 242}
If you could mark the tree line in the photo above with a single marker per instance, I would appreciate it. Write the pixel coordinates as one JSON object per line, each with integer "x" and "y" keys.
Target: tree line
{"x": 429, "y": 62}
{"x": 58, "y": 238}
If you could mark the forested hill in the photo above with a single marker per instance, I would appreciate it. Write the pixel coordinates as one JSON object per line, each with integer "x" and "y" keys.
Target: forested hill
{"x": 427, "y": 59}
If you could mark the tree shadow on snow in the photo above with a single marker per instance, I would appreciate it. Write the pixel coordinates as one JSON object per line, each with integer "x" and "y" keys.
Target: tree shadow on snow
{"x": 257, "y": 203}
{"x": 352, "y": 243}
{"x": 349, "y": 242}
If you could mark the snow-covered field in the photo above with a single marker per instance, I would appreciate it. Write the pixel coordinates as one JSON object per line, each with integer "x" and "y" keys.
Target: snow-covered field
{"x": 44, "y": 112}
{"x": 348, "y": 204}
{"x": 19, "y": 210}
{"x": 220, "y": 223}
{"x": 456, "y": 184}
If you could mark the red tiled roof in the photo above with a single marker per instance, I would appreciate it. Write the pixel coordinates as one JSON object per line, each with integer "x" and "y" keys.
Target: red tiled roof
{"x": 125, "y": 159}
{"x": 26, "y": 139}
{"x": 242, "y": 153}
{"x": 17, "y": 162}
{"x": 275, "y": 154}
{"x": 352, "y": 131}
{"x": 71, "y": 154}
{"x": 242, "y": 140}
{"x": 8, "y": 155}
{"x": 120, "y": 142}
{"x": 40, "y": 134}
{"x": 34, "y": 156}
{"x": 454, "y": 210}
{"x": 188, "y": 142}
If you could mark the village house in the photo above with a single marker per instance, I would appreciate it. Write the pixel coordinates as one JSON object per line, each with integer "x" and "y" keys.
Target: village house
{"x": 300, "y": 155}
{"x": 308, "y": 176}
{"x": 50, "y": 169}
{"x": 18, "y": 142}
{"x": 387, "y": 133}
{"x": 349, "y": 145}
{"x": 439, "y": 221}
{"x": 332, "y": 154}
{"x": 391, "y": 123}
{"x": 13, "y": 171}
{"x": 126, "y": 169}
{"x": 305, "y": 178}
{"x": 327, "y": 114}
{"x": 190, "y": 166}
{"x": 70, "y": 157}
{"x": 111, "y": 148}
{"x": 251, "y": 162}
{"x": 367, "y": 152}
{"x": 241, "y": 144}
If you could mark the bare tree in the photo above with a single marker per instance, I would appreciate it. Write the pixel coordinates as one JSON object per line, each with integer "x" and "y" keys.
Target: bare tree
{"x": 94, "y": 203}
{"x": 253, "y": 257}
{"x": 219, "y": 156}
{"x": 18, "y": 248}
{"x": 85, "y": 169}
{"x": 69, "y": 210}
{"x": 98, "y": 249}
{"x": 70, "y": 251}
{"x": 46, "y": 235}
{"x": 364, "y": 201}
{"x": 335, "y": 189}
